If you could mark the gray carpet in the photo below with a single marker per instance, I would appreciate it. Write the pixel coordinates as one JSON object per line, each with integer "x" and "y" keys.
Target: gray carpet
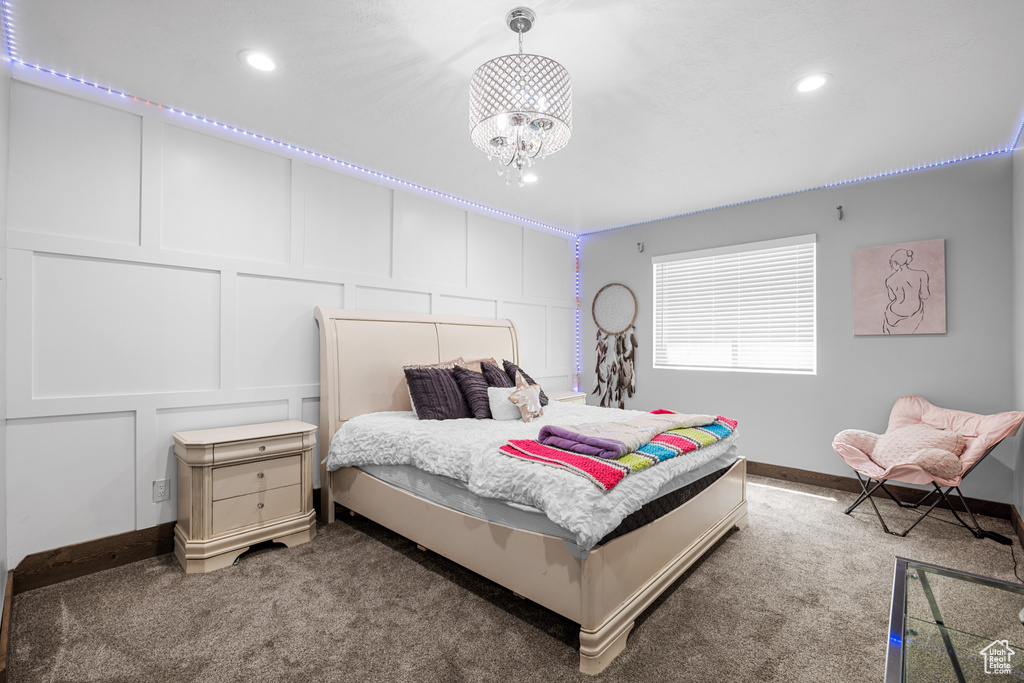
{"x": 802, "y": 594}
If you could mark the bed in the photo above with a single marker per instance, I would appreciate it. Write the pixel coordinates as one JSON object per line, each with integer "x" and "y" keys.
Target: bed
{"x": 361, "y": 358}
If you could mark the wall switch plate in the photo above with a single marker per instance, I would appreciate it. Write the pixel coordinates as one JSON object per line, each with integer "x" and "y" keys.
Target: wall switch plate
{"x": 161, "y": 490}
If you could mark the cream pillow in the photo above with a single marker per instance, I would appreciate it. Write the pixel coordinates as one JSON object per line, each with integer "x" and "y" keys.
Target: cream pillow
{"x": 476, "y": 365}
{"x": 934, "y": 450}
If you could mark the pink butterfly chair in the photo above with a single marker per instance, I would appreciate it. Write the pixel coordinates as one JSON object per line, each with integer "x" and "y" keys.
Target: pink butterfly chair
{"x": 981, "y": 434}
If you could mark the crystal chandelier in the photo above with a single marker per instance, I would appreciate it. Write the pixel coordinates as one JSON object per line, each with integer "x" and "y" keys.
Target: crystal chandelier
{"x": 520, "y": 106}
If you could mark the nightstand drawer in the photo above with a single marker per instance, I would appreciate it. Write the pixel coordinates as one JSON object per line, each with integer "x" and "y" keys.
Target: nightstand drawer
{"x": 256, "y": 448}
{"x": 256, "y": 508}
{"x": 251, "y": 477}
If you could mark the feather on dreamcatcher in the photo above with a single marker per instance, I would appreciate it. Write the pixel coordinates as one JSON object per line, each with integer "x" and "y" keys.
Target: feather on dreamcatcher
{"x": 614, "y": 311}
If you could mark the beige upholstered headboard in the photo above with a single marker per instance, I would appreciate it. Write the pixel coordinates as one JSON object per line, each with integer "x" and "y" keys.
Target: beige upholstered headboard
{"x": 362, "y": 354}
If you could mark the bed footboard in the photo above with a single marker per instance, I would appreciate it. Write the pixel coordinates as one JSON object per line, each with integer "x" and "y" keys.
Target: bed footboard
{"x": 623, "y": 577}
{"x": 604, "y": 592}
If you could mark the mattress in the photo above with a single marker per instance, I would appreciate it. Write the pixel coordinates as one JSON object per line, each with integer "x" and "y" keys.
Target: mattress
{"x": 467, "y": 452}
{"x": 454, "y": 494}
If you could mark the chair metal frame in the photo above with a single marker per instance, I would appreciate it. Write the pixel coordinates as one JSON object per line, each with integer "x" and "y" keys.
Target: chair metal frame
{"x": 976, "y": 530}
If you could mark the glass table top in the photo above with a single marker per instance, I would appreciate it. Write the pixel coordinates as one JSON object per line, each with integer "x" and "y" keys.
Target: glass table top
{"x": 948, "y": 625}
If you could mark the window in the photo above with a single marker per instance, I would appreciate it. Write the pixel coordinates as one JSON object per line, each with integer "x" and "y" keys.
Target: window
{"x": 745, "y": 307}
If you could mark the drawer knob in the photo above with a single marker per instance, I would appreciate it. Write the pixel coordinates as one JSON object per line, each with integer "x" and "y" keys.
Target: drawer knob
{"x": 259, "y": 506}
{"x": 263, "y": 449}
{"x": 259, "y": 476}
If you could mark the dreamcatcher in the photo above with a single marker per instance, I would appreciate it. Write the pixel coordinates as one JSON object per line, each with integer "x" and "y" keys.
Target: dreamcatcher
{"x": 614, "y": 312}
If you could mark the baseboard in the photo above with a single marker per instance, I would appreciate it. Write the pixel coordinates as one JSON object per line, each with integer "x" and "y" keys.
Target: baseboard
{"x": 53, "y": 566}
{"x": 849, "y": 484}
{"x": 1018, "y": 523}
{"x": 5, "y": 627}
{"x": 60, "y": 564}
{"x": 69, "y": 562}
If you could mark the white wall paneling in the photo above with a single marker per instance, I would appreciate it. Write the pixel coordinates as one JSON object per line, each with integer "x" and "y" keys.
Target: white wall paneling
{"x": 495, "y": 255}
{"x": 199, "y": 312}
{"x": 554, "y": 383}
{"x": 561, "y": 338}
{"x": 531, "y": 326}
{"x": 297, "y": 203}
{"x": 75, "y": 167}
{"x": 277, "y": 337}
{"x": 229, "y": 329}
{"x": 461, "y": 305}
{"x": 224, "y": 198}
{"x": 376, "y": 299}
{"x": 109, "y": 327}
{"x": 148, "y": 467}
{"x": 151, "y": 186}
{"x": 348, "y": 224}
{"x": 546, "y": 265}
{"x": 69, "y": 478}
{"x": 429, "y": 241}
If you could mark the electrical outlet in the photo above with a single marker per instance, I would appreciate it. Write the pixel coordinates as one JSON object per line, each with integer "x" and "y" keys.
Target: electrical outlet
{"x": 161, "y": 490}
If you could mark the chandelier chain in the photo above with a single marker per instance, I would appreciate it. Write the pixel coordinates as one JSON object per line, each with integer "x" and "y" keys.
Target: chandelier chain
{"x": 520, "y": 145}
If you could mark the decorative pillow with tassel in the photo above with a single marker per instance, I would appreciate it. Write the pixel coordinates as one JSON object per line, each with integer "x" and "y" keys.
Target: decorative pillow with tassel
{"x": 512, "y": 369}
{"x": 526, "y": 397}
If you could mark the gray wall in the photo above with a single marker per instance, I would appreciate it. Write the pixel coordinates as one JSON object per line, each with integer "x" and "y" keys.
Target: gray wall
{"x": 5, "y": 119}
{"x": 1018, "y": 316}
{"x": 790, "y": 419}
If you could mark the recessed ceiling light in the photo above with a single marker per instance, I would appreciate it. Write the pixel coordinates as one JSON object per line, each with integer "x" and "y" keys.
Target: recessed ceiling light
{"x": 258, "y": 60}
{"x": 812, "y": 82}
{"x": 529, "y": 178}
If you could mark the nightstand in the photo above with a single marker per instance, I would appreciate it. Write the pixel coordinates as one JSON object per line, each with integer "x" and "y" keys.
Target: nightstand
{"x": 568, "y": 396}
{"x": 242, "y": 485}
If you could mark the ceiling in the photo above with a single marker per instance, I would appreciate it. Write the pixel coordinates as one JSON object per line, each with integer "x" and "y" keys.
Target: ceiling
{"x": 678, "y": 106}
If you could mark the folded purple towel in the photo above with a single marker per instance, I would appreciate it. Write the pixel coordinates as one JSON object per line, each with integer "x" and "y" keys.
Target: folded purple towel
{"x": 569, "y": 440}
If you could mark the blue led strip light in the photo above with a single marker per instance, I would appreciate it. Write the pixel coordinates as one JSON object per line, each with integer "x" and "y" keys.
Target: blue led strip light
{"x": 838, "y": 183}
{"x": 12, "y": 48}
{"x": 579, "y": 362}
{"x": 1016, "y": 138}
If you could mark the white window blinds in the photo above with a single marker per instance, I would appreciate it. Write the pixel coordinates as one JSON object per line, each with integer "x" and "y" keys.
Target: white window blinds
{"x": 746, "y": 307}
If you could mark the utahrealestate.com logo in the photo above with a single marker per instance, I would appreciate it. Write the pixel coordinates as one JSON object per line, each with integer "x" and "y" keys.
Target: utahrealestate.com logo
{"x": 997, "y": 657}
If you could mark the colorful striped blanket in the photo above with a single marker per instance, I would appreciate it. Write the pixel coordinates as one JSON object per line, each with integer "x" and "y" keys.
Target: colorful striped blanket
{"x": 611, "y": 439}
{"x": 606, "y": 473}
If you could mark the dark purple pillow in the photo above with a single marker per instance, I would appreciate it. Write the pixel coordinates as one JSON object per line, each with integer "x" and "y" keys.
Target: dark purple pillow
{"x": 474, "y": 388}
{"x": 435, "y": 393}
{"x": 496, "y": 377}
{"x": 511, "y": 369}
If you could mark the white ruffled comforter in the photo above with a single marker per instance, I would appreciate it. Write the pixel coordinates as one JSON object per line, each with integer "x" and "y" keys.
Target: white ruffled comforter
{"x": 467, "y": 450}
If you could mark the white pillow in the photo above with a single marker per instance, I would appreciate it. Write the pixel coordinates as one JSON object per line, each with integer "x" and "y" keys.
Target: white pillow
{"x": 501, "y": 407}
